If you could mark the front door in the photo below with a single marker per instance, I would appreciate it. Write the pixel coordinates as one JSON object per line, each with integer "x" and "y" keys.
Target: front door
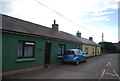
{"x": 47, "y": 53}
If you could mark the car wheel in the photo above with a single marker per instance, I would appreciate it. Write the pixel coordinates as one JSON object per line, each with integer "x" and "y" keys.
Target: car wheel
{"x": 77, "y": 62}
{"x": 85, "y": 60}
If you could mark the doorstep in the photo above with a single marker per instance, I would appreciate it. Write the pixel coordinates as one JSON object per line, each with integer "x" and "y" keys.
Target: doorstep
{"x": 51, "y": 65}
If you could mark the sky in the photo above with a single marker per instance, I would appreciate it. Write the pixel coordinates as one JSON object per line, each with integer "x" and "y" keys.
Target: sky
{"x": 90, "y": 17}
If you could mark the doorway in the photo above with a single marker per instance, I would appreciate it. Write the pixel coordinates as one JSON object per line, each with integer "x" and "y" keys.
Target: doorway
{"x": 47, "y": 53}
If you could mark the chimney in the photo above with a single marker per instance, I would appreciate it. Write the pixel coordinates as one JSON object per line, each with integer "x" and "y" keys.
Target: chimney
{"x": 78, "y": 34}
{"x": 55, "y": 26}
{"x": 90, "y": 38}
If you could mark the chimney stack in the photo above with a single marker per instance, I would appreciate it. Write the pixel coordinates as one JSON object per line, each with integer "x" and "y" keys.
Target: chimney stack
{"x": 55, "y": 26}
{"x": 78, "y": 34}
{"x": 90, "y": 38}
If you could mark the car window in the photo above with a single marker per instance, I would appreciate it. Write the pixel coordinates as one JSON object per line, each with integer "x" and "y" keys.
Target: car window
{"x": 80, "y": 52}
{"x": 69, "y": 52}
{"x": 76, "y": 51}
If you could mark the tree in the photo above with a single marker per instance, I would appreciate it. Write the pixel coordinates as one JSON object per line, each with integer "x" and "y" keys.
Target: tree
{"x": 108, "y": 47}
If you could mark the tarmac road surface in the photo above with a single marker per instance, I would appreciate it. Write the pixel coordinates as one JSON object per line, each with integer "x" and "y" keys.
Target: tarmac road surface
{"x": 98, "y": 67}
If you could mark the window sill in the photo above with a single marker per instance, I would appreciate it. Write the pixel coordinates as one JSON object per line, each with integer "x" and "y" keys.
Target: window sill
{"x": 59, "y": 57}
{"x": 25, "y": 59}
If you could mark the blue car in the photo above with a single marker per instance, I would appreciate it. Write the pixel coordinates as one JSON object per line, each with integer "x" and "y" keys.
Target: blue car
{"x": 73, "y": 55}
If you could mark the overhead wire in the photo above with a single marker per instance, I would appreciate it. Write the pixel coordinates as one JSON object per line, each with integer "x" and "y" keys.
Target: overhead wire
{"x": 63, "y": 16}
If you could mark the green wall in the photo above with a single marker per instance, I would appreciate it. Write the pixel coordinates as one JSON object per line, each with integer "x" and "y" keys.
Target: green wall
{"x": 10, "y": 51}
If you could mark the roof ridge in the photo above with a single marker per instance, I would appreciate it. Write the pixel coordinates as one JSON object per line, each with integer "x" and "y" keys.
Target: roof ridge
{"x": 86, "y": 41}
{"x": 23, "y": 26}
{"x": 18, "y": 25}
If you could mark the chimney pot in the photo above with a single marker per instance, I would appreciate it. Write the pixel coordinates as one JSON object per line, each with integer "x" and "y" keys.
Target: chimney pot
{"x": 90, "y": 38}
{"x": 54, "y": 21}
{"x": 78, "y": 34}
{"x": 55, "y": 26}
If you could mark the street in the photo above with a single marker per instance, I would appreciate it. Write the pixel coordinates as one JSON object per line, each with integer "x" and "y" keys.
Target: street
{"x": 98, "y": 67}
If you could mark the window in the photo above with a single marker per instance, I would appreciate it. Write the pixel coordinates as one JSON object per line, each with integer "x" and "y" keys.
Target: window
{"x": 69, "y": 52}
{"x": 98, "y": 50}
{"x": 86, "y": 50}
{"x": 93, "y": 50}
{"x": 26, "y": 49}
{"x": 80, "y": 52}
{"x": 61, "y": 49}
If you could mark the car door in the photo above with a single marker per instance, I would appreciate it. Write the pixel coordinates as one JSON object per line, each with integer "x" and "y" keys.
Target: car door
{"x": 81, "y": 55}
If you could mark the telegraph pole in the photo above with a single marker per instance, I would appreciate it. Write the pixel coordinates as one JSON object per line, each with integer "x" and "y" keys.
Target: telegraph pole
{"x": 102, "y": 37}
{"x": 102, "y": 41}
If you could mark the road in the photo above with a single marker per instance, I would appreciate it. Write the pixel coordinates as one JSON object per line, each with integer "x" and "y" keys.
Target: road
{"x": 98, "y": 67}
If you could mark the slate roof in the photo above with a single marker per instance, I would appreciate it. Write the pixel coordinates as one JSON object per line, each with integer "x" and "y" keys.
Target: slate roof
{"x": 87, "y": 41}
{"x": 11, "y": 24}
{"x": 15, "y": 25}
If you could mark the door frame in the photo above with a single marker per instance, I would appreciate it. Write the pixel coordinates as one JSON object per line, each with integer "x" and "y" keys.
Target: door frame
{"x": 47, "y": 53}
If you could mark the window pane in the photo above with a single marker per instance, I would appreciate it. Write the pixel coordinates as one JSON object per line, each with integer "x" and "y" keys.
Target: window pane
{"x": 28, "y": 51}
{"x": 59, "y": 49}
{"x": 62, "y": 49}
{"x": 68, "y": 52}
{"x": 86, "y": 49}
{"x": 20, "y": 49}
{"x": 93, "y": 49}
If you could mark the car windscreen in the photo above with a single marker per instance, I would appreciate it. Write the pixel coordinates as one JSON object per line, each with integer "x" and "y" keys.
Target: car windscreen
{"x": 69, "y": 52}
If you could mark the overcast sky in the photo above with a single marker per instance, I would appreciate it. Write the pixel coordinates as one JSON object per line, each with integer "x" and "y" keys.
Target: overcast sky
{"x": 90, "y": 17}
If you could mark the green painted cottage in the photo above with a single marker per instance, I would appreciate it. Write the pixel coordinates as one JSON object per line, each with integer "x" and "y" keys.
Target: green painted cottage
{"x": 28, "y": 45}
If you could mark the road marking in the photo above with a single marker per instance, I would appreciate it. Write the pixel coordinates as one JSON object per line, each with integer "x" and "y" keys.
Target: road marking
{"x": 109, "y": 64}
{"x": 102, "y": 74}
{"x": 110, "y": 74}
{"x": 116, "y": 74}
